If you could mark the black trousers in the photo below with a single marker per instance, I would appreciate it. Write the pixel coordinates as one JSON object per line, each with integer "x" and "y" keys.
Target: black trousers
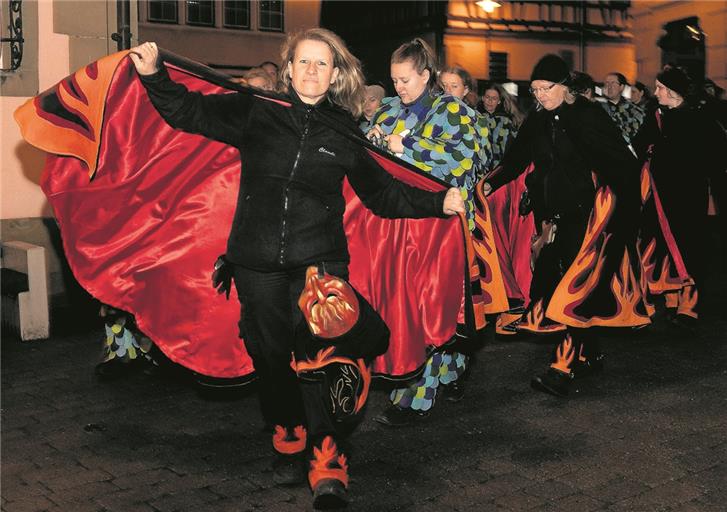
{"x": 269, "y": 316}
{"x": 552, "y": 263}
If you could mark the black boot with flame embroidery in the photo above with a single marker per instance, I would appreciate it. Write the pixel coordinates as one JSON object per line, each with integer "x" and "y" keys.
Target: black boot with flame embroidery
{"x": 328, "y": 476}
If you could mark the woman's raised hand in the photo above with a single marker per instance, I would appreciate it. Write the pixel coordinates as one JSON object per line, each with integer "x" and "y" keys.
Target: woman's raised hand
{"x": 453, "y": 202}
{"x": 145, "y": 58}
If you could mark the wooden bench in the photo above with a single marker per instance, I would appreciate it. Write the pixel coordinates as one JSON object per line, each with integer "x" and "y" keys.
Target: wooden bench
{"x": 25, "y": 290}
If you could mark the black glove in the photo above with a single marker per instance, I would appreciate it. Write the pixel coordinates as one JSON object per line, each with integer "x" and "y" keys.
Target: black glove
{"x": 222, "y": 276}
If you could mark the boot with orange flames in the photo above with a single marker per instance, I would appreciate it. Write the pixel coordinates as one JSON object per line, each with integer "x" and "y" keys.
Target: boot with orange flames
{"x": 572, "y": 359}
{"x": 328, "y": 476}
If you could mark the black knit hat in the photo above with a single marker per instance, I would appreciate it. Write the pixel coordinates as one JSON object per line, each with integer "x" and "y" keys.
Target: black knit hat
{"x": 676, "y": 80}
{"x": 551, "y": 68}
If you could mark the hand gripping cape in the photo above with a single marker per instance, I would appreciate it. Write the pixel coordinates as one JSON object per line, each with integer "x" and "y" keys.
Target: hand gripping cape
{"x": 144, "y": 210}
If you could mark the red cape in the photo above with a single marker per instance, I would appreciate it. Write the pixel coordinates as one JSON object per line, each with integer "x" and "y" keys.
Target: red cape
{"x": 143, "y": 233}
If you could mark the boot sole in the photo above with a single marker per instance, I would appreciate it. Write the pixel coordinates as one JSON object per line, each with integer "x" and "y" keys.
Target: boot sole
{"x": 539, "y": 385}
{"x": 328, "y": 496}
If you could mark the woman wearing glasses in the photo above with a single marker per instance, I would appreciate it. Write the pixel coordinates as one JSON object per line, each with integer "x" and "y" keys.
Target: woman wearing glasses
{"x": 583, "y": 256}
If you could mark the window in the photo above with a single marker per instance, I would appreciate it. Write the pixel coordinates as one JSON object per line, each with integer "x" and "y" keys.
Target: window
{"x": 163, "y": 11}
{"x": 201, "y": 12}
{"x": 236, "y": 13}
{"x": 498, "y": 66}
{"x": 271, "y": 15}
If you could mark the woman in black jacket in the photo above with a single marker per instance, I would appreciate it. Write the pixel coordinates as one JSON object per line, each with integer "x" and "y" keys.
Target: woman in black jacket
{"x": 290, "y": 216}
{"x": 583, "y": 193}
{"x": 684, "y": 147}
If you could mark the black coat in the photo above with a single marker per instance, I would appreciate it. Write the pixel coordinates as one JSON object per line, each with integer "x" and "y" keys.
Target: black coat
{"x": 566, "y": 145}
{"x": 290, "y": 204}
{"x": 688, "y": 151}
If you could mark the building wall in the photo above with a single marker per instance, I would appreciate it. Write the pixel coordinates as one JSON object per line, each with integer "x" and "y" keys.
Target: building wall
{"x": 220, "y": 46}
{"x": 471, "y": 35}
{"x": 69, "y": 35}
{"x": 649, "y": 18}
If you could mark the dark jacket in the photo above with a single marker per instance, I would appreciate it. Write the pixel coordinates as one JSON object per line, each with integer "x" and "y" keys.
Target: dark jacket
{"x": 290, "y": 204}
{"x": 686, "y": 152}
{"x": 566, "y": 145}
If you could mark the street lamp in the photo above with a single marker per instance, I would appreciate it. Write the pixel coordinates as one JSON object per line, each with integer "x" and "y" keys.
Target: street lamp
{"x": 488, "y": 6}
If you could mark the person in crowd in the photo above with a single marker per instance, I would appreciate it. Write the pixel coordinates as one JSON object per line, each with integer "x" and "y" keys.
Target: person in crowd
{"x": 259, "y": 78}
{"x": 273, "y": 71}
{"x": 437, "y": 134}
{"x": 715, "y": 105}
{"x": 457, "y": 82}
{"x": 282, "y": 228}
{"x": 641, "y": 97}
{"x": 684, "y": 147}
{"x": 372, "y": 101}
{"x": 583, "y": 85}
{"x": 627, "y": 115}
{"x": 583, "y": 194}
{"x": 504, "y": 118}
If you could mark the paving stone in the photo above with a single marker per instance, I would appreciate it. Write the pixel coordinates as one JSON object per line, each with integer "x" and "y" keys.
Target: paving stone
{"x": 617, "y": 490}
{"x": 184, "y": 500}
{"x": 550, "y": 490}
{"x": 29, "y": 504}
{"x": 669, "y": 495}
{"x": 519, "y": 500}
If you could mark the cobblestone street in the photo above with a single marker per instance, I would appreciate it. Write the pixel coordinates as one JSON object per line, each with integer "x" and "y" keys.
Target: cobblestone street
{"x": 650, "y": 434}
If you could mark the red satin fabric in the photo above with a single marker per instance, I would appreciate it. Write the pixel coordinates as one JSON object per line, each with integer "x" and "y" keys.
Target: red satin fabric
{"x": 412, "y": 273}
{"x": 143, "y": 234}
{"x": 513, "y": 233}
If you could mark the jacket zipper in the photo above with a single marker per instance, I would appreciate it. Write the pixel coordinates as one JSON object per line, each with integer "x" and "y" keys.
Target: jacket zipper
{"x": 281, "y": 253}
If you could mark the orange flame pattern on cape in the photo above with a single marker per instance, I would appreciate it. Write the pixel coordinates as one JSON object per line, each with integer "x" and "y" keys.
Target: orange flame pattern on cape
{"x": 585, "y": 274}
{"x": 83, "y": 95}
{"x": 288, "y": 445}
{"x": 485, "y": 251}
{"x": 645, "y": 183}
{"x": 688, "y": 299}
{"x": 328, "y": 464}
{"x": 667, "y": 280}
{"x": 671, "y": 299}
{"x": 324, "y": 357}
{"x": 533, "y": 320}
{"x": 564, "y": 355}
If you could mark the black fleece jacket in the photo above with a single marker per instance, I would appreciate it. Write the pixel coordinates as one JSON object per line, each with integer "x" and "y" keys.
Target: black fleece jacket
{"x": 566, "y": 145}
{"x": 290, "y": 204}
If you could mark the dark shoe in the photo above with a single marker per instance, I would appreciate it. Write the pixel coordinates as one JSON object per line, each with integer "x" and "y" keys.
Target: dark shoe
{"x": 289, "y": 469}
{"x": 454, "y": 391}
{"x": 329, "y": 494}
{"x": 589, "y": 368}
{"x": 395, "y": 416}
{"x": 553, "y": 381}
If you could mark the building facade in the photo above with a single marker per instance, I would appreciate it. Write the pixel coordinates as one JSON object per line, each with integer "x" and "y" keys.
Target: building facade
{"x": 229, "y": 35}
{"x": 671, "y": 31}
{"x": 505, "y": 43}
